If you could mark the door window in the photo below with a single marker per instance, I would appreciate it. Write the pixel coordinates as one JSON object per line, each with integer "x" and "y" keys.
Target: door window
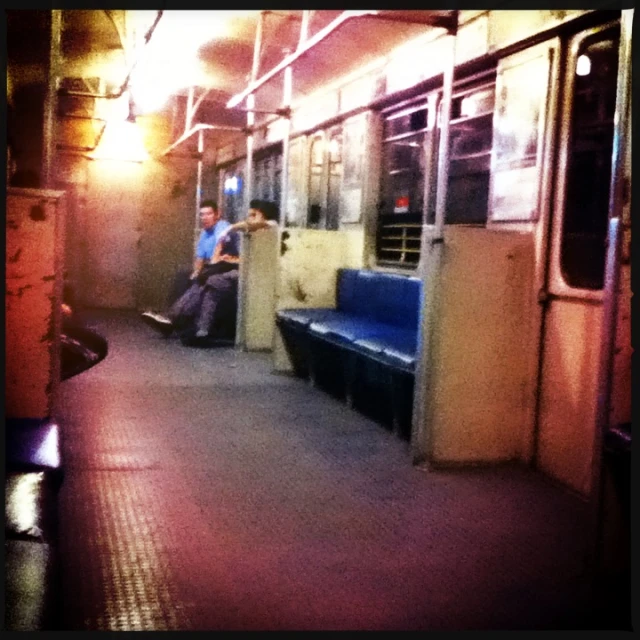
{"x": 403, "y": 185}
{"x": 586, "y": 206}
{"x": 470, "y": 138}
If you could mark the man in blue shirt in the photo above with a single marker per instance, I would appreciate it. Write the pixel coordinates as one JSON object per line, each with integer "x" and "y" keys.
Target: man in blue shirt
{"x": 187, "y": 305}
{"x": 214, "y": 290}
{"x": 212, "y": 227}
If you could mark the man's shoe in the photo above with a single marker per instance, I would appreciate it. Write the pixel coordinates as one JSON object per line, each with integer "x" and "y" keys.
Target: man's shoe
{"x": 201, "y": 333}
{"x": 160, "y": 323}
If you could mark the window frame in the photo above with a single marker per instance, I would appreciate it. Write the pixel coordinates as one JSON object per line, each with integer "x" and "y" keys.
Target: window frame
{"x": 403, "y": 231}
{"x": 469, "y": 86}
{"x": 558, "y": 286}
{"x": 321, "y": 194}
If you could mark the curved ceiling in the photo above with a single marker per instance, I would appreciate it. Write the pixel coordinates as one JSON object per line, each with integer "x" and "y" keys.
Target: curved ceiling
{"x": 225, "y": 58}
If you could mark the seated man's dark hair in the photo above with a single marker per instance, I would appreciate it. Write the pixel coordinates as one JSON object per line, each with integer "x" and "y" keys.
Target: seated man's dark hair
{"x": 268, "y": 208}
{"x": 272, "y": 211}
{"x": 209, "y": 203}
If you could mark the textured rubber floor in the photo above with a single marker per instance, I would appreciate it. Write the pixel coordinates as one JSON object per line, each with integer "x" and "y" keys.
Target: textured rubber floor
{"x": 204, "y": 492}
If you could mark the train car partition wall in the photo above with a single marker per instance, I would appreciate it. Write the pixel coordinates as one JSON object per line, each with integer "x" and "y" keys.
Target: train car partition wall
{"x": 465, "y": 202}
{"x": 33, "y": 295}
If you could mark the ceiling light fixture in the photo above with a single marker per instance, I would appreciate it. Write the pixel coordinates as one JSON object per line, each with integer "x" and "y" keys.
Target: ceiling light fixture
{"x": 120, "y": 140}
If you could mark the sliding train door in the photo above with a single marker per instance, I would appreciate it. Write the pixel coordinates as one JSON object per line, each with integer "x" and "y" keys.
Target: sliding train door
{"x": 591, "y": 133}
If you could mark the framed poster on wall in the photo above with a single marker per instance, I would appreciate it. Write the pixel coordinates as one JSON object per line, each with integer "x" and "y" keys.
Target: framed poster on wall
{"x": 353, "y": 150}
{"x": 296, "y": 192}
{"x": 518, "y": 134}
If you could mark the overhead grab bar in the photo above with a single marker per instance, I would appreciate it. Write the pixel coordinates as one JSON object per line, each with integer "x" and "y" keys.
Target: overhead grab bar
{"x": 449, "y": 23}
{"x": 199, "y": 127}
{"x": 290, "y": 59}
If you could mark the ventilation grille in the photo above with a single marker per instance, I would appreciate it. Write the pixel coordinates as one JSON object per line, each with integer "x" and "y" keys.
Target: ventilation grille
{"x": 78, "y": 105}
{"x": 399, "y": 240}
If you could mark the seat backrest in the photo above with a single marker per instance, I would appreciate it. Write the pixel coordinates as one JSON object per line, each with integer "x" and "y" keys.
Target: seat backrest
{"x": 398, "y": 300}
{"x": 347, "y": 290}
{"x": 385, "y": 297}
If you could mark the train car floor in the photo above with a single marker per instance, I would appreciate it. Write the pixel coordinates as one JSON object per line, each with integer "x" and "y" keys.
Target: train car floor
{"x": 203, "y": 491}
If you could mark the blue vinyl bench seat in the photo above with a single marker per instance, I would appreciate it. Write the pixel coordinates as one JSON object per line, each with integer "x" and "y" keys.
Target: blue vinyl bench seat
{"x": 302, "y": 318}
{"x": 347, "y": 329}
{"x": 397, "y": 348}
{"x": 375, "y": 321}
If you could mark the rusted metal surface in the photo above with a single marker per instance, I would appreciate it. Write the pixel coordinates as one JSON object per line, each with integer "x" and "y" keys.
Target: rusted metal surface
{"x": 35, "y": 220}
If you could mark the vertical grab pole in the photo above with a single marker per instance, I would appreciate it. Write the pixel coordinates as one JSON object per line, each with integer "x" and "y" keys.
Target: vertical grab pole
{"x": 187, "y": 127}
{"x": 621, "y": 140}
{"x": 608, "y": 338}
{"x": 247, "y": 191}
{"x": 286, "y": 105}
{"x": 199, "y": 183}
{"x": 287, "y": 91}
{"x": 248, "y": 173}
{"x": 50, "y": 105}
{"x": 251, "y": 104}
{"x": 614, "y": 243}
{"x": 432, "y": 243}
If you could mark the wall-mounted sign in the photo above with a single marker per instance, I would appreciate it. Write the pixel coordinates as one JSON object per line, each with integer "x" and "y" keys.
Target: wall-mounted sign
{"x": 518, "y": 133}
{"x": 401, "y": 205}
{"x": 353, "y": 145}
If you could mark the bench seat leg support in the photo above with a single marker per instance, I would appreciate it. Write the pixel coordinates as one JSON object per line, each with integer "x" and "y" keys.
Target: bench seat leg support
{"x": 350, "y": 372}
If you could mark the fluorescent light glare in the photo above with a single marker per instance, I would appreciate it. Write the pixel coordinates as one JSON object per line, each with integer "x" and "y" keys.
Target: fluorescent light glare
{"x": 121, "y": 140}
{"x": 583, "y": 66}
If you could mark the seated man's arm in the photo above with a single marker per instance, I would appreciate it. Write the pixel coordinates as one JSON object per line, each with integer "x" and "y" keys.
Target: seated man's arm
{"x": 226, "y": 257}
{"x": 256, "y": 225}
{"x": 217, "y": 254}
{"x": 197, "y": 268}
{"x": 227, "y": 249}
{"x": 201, "y": 257}
{"x": 251, "y": 225}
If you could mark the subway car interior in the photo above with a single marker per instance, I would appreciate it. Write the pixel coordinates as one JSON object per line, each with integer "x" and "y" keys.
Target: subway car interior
{"x": 318, "y": 320}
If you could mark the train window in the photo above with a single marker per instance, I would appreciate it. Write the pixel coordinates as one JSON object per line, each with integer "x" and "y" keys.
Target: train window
{"x": 232, "y": 193}
{"x": 406, "y": 121}
{"x": 295, "y": 211}
{"x": 277, "y": 179}
{"x": 316, "y": 166}
{"x": 335, "y": 177}
{"x": 325, "y": 175}
{"x": 470, "y": 139}
{"x": 583, "y": 242}
{"x": 261, "y": 178}
{"x": 266, "y": 182}
{"x": 402, "y": 189}
{"x": 403, "y": 162}
{"x": 268, "y": 176}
